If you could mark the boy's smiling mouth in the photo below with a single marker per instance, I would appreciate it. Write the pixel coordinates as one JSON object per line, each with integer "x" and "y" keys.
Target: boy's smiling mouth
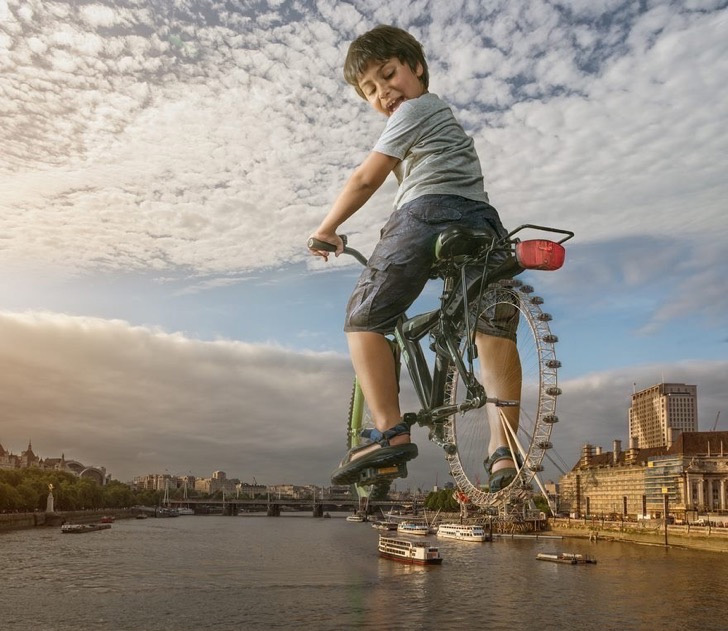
{"x": 393, "y": 105}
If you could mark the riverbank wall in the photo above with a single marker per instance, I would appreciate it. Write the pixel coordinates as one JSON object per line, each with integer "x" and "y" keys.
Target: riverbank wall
{"x": 645, "y": 533}
{"x": 20, "y": 521}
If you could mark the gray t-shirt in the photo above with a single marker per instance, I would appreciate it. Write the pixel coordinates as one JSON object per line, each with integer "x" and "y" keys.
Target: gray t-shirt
{"x": 437, "y": 156}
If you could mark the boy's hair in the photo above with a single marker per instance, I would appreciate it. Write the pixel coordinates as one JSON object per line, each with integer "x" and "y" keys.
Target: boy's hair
{"x": 380, "y": 44}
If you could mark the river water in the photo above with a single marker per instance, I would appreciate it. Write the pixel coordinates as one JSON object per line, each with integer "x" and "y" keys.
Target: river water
{"x": 297, "y": 572}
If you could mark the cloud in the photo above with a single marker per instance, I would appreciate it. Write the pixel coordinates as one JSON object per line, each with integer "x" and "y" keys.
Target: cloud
{"x": 660, "y": 281}
{"x": 195, "y": 161}
{"x": 139, "y": 400}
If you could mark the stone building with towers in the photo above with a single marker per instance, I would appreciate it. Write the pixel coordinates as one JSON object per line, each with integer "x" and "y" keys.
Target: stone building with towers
{"x": 28, "y": 459}
{"x": 666, "y": 456}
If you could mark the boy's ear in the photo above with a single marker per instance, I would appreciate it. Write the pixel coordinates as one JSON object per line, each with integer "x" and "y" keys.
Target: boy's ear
{"x": 419, "y": 71}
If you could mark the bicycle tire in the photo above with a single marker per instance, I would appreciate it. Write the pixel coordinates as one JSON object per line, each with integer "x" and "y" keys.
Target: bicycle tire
{"x": 469, "y": 432}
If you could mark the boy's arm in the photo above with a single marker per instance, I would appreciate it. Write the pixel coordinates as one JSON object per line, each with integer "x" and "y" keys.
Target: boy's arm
{"x": 362, "y": 184}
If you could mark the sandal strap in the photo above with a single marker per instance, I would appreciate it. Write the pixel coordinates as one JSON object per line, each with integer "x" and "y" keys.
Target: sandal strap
{"x": 502, "y": 453}
{"x": 373, "y": 434}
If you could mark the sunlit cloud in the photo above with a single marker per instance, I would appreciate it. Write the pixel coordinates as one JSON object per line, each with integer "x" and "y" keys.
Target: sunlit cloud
{"x": 132, "y": 398}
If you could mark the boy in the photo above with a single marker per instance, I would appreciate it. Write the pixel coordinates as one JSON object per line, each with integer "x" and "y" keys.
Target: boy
{"x": 440, "y": 184}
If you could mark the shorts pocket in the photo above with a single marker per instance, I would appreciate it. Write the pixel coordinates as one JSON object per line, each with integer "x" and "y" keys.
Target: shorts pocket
{"x": 434, "y": 213}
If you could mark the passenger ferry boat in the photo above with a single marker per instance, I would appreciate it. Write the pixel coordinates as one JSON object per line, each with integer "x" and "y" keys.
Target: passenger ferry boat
{"x": 404, "y": 551}
{"x": 413, "y": 528}
{"x": 462, "y": 532}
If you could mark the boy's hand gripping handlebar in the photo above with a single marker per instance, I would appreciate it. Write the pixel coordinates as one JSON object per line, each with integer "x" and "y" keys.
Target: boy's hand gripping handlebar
{"x": 317, "y": 244}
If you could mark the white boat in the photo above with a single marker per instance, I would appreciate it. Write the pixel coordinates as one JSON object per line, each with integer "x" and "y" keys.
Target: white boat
{"x": 462, "y": 532}
{"x": 356, "y": 518}
{"x": 384, "y": 525}
{"x": 404, "y": 551}
{"x": 413, "y": 528}
{"x": 78, "y": 528}
{"x": 182, "y": 510}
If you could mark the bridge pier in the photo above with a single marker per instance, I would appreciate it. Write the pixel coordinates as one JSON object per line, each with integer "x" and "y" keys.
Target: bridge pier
{"x": 318, "y": 510}
{"x": 230, "y": 510}
{"x": 273, "y": 510}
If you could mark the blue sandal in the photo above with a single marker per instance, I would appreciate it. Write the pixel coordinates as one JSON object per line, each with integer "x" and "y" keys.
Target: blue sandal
{"x": 386, "y": 455}
{"x": 503, "y": 477}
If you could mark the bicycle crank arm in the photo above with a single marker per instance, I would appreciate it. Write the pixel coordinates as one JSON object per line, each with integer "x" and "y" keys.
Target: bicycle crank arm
{"x": 503, "y": 403}
{"x": 441, "y": 413}
{"x": 438, "y": 414}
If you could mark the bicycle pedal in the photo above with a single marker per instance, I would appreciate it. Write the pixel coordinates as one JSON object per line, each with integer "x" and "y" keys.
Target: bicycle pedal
{"x": 375, "y": 474}
{"x": 409, "y": 418}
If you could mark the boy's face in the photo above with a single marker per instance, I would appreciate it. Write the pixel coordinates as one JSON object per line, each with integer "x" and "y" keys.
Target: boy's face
{"x": 387, "y": 84}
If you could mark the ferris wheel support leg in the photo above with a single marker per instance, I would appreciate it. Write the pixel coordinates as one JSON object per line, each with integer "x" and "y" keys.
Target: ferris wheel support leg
{"x": 552, "y": 507}
{"x": 512, "y": 439}
{"x": 513, "y": 443}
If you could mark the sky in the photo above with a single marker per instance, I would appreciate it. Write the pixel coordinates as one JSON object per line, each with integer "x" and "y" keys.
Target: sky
{"x": 163, "y": 162}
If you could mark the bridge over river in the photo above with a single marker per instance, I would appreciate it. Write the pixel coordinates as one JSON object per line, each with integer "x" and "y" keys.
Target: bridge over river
{"x": 274, "y": 506}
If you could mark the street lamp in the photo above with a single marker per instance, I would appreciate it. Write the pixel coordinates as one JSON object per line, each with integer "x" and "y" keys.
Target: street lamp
{"x": 665, "y": 497}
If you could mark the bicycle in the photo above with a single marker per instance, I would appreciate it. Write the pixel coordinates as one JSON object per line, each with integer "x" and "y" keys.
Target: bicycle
{"x": 449, "y": 393}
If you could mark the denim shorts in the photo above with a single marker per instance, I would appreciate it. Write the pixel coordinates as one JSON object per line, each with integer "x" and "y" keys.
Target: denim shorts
{"x": 401, "y": 262}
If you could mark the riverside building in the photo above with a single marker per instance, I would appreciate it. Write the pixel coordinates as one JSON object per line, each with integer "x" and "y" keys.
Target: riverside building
{"x": 661, "y": 409}
{"x": 667, "y": 457}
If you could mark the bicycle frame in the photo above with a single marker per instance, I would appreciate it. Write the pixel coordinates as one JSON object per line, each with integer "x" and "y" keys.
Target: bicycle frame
{"x": 409, "y": 332}
{"x": 429, "y": 384}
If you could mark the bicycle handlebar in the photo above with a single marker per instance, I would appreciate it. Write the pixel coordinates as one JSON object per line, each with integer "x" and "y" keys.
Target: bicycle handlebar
{"x": 317, "y": 244}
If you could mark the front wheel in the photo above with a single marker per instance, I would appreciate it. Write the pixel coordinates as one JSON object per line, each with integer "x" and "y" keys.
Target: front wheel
{"x": 470, "y": 432}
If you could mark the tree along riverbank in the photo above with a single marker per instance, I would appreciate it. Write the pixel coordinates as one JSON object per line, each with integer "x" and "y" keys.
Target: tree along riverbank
{"x": 645, "y": 533}
{"x": 19, "y": 521}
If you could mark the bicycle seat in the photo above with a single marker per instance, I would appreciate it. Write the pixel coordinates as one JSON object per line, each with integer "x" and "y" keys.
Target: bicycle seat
{"x": 461, "y": 241}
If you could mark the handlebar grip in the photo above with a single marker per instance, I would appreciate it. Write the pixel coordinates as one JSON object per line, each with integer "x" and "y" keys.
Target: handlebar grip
{"x": 324, "y": 246}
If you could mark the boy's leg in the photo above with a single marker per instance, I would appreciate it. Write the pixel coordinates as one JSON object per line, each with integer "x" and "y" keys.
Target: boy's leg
{"x": 374, "y": 366}
{"x": 500, "y": 370}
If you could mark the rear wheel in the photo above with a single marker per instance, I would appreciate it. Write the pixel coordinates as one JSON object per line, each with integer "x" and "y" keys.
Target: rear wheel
{"x": 470, "y": 431}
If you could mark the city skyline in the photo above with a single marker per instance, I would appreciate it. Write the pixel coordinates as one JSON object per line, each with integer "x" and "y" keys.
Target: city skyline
{"x": 557, "y": 468}
{"x": 164, "y": 164}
